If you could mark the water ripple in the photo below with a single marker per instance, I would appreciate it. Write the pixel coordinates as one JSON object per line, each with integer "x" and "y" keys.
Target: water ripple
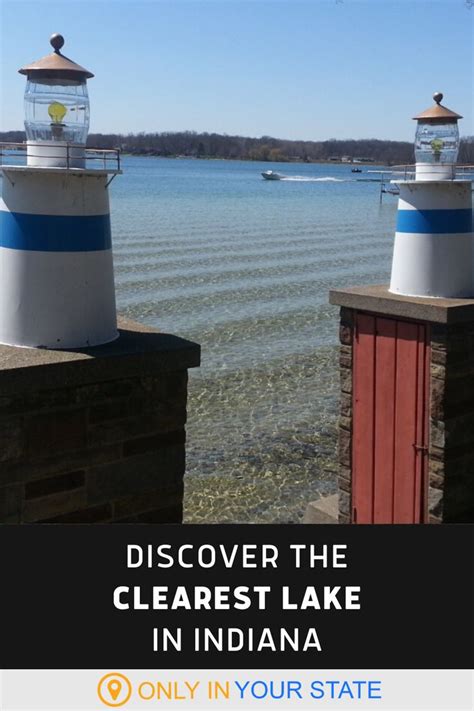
{"x": 209, "y": 251}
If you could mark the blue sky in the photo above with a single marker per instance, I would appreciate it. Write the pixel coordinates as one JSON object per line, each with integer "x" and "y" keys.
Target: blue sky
{"x": 311, "y": 70}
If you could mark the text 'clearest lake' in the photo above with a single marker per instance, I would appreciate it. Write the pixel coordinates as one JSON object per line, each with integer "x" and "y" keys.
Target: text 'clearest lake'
{"x": 210, "y": 251}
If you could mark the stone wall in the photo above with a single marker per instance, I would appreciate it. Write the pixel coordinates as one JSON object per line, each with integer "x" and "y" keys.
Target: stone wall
{"x": 346, "y": 334}
{"x": 97, "y": 436}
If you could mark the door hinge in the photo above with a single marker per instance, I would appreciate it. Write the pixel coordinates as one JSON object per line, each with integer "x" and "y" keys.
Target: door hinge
{"x": 354, "y": 515}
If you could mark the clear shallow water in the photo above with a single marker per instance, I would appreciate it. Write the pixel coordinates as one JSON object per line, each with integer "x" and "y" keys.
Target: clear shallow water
{"x": 210, "y": 251}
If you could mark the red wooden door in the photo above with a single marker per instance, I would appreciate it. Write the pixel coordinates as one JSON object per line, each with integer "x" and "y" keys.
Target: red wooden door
{"x": 390, "y": 420}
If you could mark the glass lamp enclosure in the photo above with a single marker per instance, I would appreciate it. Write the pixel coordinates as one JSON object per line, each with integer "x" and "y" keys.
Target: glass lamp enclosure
{"x": 436, "y": 148}
{"x": 56, "y": 121}
{"x": 57, "y": 111}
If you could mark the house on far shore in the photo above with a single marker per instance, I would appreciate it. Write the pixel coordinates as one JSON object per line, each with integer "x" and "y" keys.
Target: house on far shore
{"x": 350, "y": 159}
{"x": 340, "y": 159}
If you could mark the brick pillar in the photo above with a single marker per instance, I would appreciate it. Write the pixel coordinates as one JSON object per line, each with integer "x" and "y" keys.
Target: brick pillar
{"x": 96, "y": 435}
{"x": 449, "y": 488}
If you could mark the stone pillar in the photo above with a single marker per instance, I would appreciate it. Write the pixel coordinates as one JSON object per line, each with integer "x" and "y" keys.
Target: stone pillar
{"x": 346, "y": 334}
{"x": 95, "y": 435}
{"x": 449, "y": 489}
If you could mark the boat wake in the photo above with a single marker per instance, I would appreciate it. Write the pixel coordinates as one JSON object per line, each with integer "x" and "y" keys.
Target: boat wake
{"x": 305, "y": 179}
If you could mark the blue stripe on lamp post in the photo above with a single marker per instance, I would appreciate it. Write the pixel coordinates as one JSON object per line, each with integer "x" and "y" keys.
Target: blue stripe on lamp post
{"x": 55, "y": 233}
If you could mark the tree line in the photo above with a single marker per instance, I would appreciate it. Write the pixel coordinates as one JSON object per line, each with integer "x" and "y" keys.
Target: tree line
{"x": 213, "y": 145}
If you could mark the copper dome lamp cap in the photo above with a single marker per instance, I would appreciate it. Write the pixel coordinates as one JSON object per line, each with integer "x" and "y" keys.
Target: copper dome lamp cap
{"x": 56, "y": 65}
{"x": 438, "y": 112}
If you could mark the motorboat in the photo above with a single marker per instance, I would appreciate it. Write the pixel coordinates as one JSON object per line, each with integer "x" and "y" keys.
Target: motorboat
{"x": 271, "y": 175}
{"x": 356, "y": 170}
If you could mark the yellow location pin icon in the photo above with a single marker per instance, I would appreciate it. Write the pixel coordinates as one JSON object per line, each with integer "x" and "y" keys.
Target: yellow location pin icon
{"x": 115, "y": 687}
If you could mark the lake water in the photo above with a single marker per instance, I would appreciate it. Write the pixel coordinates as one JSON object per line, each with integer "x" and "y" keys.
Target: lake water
{"x": 210, "y": 251}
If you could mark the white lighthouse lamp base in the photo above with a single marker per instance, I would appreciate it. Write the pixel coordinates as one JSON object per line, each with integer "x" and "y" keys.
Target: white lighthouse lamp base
{"x": 435, "y": 171}
{"x": 56, "y": 267}
{"x": 57, "y": 154}
{"x": 433, "y": 252}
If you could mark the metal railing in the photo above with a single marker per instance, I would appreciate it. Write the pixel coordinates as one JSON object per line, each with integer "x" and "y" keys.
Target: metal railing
{"x": 409, "y": 171}
{"x": 462, "y": 170}
{"x": 93, "y": 158}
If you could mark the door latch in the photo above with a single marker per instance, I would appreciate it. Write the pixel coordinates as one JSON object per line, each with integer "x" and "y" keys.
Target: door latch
{"x": 420, "y": 448}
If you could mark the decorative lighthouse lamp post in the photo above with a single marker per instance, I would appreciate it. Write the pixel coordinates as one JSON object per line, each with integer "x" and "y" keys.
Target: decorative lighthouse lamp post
{"x": 406, "y": 446}
{"x": 92, "y": 412}
{"x": 57, "y": 279}
{"x": 433, "y": 251}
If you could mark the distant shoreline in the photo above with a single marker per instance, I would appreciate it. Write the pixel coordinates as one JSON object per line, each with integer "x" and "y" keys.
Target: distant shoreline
{"x": 251, "y": 160}
{"x": 266, "y": 149}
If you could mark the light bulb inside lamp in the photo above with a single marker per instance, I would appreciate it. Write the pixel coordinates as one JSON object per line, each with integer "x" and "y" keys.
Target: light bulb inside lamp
{"x": 57, "y": 112}
{"x": 437, "y": 146}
